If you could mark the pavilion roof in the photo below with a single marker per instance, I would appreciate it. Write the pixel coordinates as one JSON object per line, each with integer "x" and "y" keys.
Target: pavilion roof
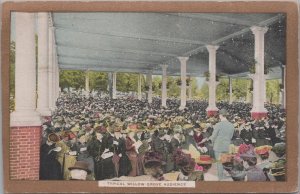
{"x": 140, "y": 42}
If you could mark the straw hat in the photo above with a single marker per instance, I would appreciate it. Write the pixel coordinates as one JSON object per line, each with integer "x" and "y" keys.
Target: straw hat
{"x": 52, "y": 137}
{"x": 204, "y": 159}
{"x": 81, "y": 165}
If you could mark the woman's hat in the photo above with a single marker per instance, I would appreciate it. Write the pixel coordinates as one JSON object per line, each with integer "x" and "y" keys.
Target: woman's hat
{"x": 188, "y": 126}
{"x": 226, "y": 158}
{"x": 204, "y": 159}
{"x": 261, "y": 150}
{"x": 153, "y": 159}
{"x": 246, "y": 151}
{"x": 100, "y": 129}
{"x": 81, "y": 165}
{"x": 52, "y": 137}
{"x": 279, "y": 148}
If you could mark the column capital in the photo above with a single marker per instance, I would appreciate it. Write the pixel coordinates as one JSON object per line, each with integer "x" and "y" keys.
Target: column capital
{"x": 211, "y": 48}
{"x": 183, "y": 59}
{"x": 258, "y": 29}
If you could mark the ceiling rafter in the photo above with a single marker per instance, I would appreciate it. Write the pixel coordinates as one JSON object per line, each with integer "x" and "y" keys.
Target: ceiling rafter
{"x": 134, "y": 36}
{"x": 107, "y": 68}
{"x": 116, "y": 50}
{"x": 214, "y": 18}
{"x": 111, "y": 60}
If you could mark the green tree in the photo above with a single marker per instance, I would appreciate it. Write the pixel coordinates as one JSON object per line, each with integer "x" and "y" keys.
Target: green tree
{"x": 222, "y": 93}
{"x": 203, "y": 93}
{"x": 72, "y": 78}
{"x": 273, "y": 91}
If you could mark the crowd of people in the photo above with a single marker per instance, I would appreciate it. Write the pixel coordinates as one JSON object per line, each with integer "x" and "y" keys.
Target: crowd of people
{"x": 93, "y": 137}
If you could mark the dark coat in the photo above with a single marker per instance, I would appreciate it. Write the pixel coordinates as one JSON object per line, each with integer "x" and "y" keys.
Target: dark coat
{"x": 246, "y": 136}
{"x": 50, "y": 168}
{"x": 260, "y": 135}
{"x": 272, "y": 134}
{"x": 85, "y": 156}
{"x": 104, "y": 168}
{"x": 122, "y": 164}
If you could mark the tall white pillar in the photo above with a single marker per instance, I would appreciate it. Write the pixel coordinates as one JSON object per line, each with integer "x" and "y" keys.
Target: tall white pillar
{"x": 183, "y": 61}
{"x": 190, "y": 96}
{"x": 230, "y": 90}
{"x": 51, "y": 70}
{"x": 25, "y": 113}
{"x": 212, "y": 84}
{"x": 164, "y": 86}
{"x": 140, "y": 86}
{"x": 57, "y": 79}
{"x": 114, "y": 85}
{"x": 43, "y": 82}
{"x": 149, "y": 83}
{"x": 87, "y": 82}
{"x": 259, "y": 80}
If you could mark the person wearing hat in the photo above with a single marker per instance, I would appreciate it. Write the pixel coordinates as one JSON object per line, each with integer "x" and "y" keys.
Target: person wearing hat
{"x": 178, "y": 138}
{"x": 246, "y": 133}
{"x": 263, "y": 160}
{"x": 120, "y": 158}
{"x": 186, "y": 165}
{"x": 188, "y": 132}
{"x": 131, "y": 151}
{"x": 79, "y": 171}
{"x": 101, "y": 149}
{"x": 158, "y": 144}
{"x": 83, "y": 155}
{"x": 278, "y": 166}
{"x": 238, "y": 172}
{"x": 271, "y": 128}
{"x": 254, "y": 173}
{"x": 50, "y": 168}
{"x": 153, "y": 165}
{"x": 67, "y": 155}
{"x": 221, "y": 138}
{"x": 205, "y": 162}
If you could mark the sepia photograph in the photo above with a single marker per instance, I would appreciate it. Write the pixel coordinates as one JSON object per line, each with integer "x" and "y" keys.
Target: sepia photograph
{"x": 125, "y": 98}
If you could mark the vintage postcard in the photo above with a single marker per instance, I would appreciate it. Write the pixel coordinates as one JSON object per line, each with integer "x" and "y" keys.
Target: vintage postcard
{"x": 107, "y": 97}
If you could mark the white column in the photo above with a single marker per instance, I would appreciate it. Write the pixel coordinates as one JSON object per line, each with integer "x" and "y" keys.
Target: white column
{"x": 259, "y": 79}
{"x": 164, "y": 86}
{"x": 140, "y": 86}
{"x": 51, "y": 74}
{"x": 87, "y": 82}
{"x": 230, "y": 90}
{"x": 25, "y": 113}
{"x": 212, "y": 108}
{"x": 190, "y": 89}
{"x": 114, "y": 85}
{"x": 57, "y": 78}
{"x": 149, "y": 83}
{"x": 43, "y": 82}
{"x": 183, "y": 61}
